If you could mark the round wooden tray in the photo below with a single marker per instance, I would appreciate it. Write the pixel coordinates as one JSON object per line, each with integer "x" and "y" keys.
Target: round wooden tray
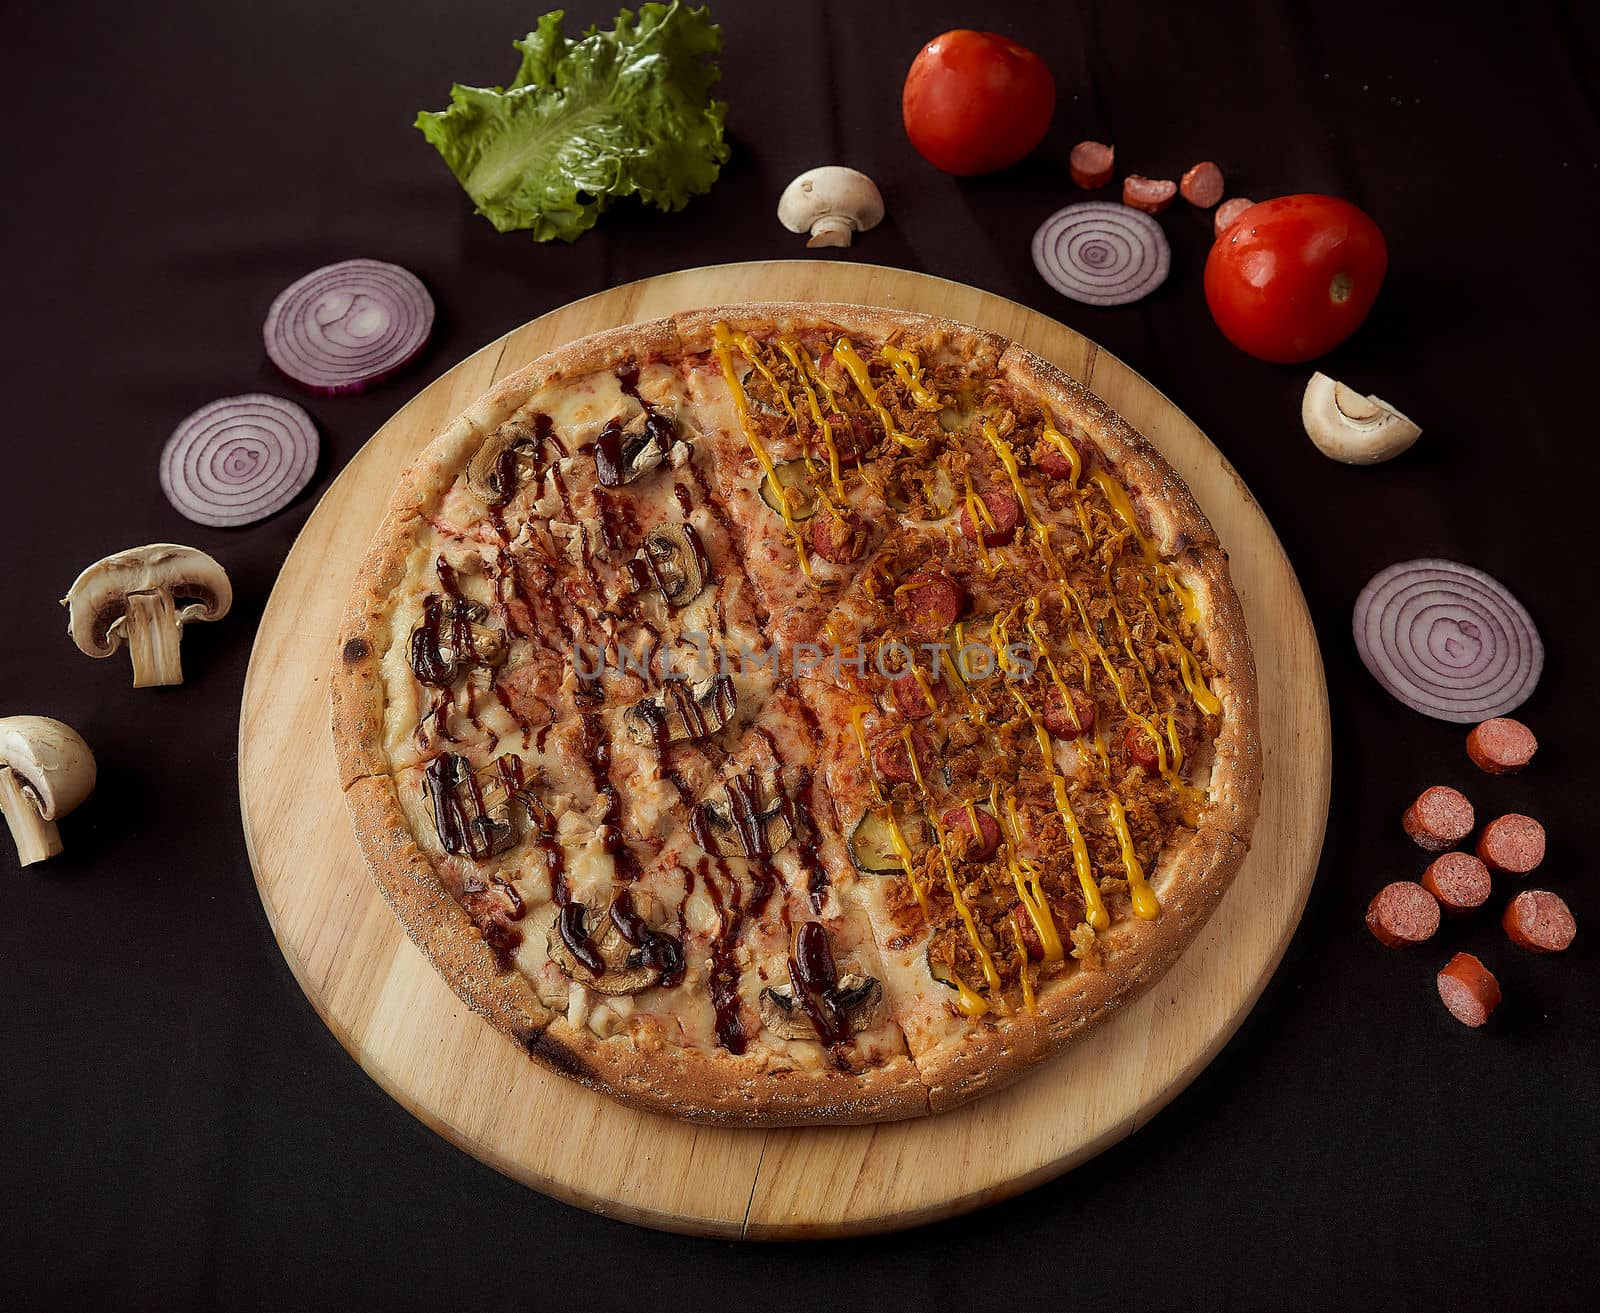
{"x": 414, "y": 1037}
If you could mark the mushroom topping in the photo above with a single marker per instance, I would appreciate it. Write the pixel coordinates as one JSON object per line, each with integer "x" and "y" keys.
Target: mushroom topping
{"x": 451, "y": 638}
{"x": 856, "y": 996}
{"x": 831, "y": 203}
{"x": 472, "y": 810}
{"x": 629, "y": 449}
{"x": 145, "y": 596}
{"x": 624, "y": 958}
{"x": 506, "y": 455}
{"x": 673, "y": 561}
{"x": 745, "y": 816}
{"x": 819, "y": 1003}
{"x": 46, "y": 770}
{"x": 1352, "y": 428}
{"x": 682, "y": 712}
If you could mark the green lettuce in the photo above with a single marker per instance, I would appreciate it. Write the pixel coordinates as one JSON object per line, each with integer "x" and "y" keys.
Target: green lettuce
{"x": 619, "y": 113}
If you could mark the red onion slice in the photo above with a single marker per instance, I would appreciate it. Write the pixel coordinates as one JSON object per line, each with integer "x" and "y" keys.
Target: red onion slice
{"x": 239, "y": 460}
{"x": 1447, "y": 640}
{"x": 343, "y": 327}
{"x": 1102, "y": 254}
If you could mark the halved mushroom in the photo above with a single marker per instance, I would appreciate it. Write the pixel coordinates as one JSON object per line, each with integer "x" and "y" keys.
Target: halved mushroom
{"x": 46, "y": 770}
{"x": 857, "y": 998}
{"x": 145, "y": 596}
{"x": 609, "y": 963}
{"x": 830, "y": 203}
{"x": 682, "y": 712}
{"x": 673, "y": 560}
{"x": 1352, "y": 428}
{"x": 471, "y": 810}
{"x": 629, "y": 448}
{"x": 504, "y": 458}
{"x": 745, "y": 816}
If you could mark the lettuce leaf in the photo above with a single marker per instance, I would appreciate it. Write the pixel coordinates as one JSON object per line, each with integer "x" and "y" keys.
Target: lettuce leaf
{"x": 621, "y": 113}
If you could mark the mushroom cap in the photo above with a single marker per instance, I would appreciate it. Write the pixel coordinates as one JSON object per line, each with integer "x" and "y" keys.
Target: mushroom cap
{"x": 54, "y": 764}
{"x": 95, "y": 605}
{"x": 830, "y": 191}
{"x": 1352, "y": 428}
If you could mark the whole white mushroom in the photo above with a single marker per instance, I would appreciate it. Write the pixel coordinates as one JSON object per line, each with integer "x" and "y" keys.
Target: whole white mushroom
{"x": 832, "y": 203}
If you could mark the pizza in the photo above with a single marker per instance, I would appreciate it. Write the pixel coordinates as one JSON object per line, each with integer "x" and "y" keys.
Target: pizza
{"x": 796, "y": 713}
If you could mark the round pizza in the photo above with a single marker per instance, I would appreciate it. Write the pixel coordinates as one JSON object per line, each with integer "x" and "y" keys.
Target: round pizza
{"x": 791, "y": 713}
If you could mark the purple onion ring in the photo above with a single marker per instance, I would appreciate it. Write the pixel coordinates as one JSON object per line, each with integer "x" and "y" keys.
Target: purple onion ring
{"x": 1102, "y": 254}
{"x": 1448, "y": 640}
{"x": 343, "y": 327}
{"x": 239, "y": 460}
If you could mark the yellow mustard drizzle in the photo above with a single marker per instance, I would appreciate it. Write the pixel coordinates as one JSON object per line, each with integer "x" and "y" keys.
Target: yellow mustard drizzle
{"x": 990, "y": 974}
{"x": 1094, "y": 905}
{"x": 1008, "y": 459}
{"x": 902, "y": 850}
{"x": 980, "y": 515}
{"x": 724, "y": 342}
{"x": 1145, "y": 902}
{"x": 1025, "y": 876}
{"x": 856, "y": 367}
{"x": 793, "y": 351}
{"x": 909, "y": 371}
{"x": 860, "y": 728}
{"x": 1022, "y": 967}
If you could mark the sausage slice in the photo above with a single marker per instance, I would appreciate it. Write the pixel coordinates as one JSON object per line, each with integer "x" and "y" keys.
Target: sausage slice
{"x": 1152, "y": 195}
{"x": 1003, "y": 510}
{"x": 1059, "y": 720}
{"x": 1230, "y": 210}
{"x": 980, "y": 845}
{"x": 1501, "y": 746}
{"x": 1439, "y": 819}
{"x": 838, "y": 538}
{"x": 1202, "y": 185}
{"x": 1091, "y": 164}
{"x": 893, "y": 762}
{"x": 1512, "y": 844}
{"x": 1468, "y": 989}
{"x": 1459, "y": 881}
{"x": 1402, "y": 914}
{"x": 1539, "y": 921}
{"x": 929, "y": 602}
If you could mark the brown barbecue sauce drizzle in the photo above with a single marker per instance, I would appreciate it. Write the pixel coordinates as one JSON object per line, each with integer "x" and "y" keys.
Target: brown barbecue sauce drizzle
{"x": 815, "y": 981}
{"x": 723, "y": 979}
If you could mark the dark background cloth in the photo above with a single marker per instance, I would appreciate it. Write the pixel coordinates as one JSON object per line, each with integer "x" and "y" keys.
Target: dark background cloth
{"x": 177, "y": 1128}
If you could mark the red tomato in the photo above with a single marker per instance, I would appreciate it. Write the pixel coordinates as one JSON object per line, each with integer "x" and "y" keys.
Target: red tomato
{"x": 975, "y": 102}
{"x": 1291, "y": 278}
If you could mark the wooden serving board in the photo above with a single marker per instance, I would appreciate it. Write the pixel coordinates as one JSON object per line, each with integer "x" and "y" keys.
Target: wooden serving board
{"x": 414, "y": 1037}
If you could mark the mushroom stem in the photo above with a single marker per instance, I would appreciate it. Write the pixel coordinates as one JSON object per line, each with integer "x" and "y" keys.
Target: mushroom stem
{"x": 831, "y": 230}
{"x": 153, "y": 636}
{"x": 35, "y": 837}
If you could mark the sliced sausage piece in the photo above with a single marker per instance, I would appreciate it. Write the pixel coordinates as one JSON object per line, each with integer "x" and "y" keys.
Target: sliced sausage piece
{"x": 1059, "y": 721}
{"x": 1512, "y": 844}
{"x": 891, "y": 760}
{"x": 1003, "y": 510}
{"x": 1468, "y": 989}
{"x": 1141, "y": 748}
{"x": 1031, "y": 943}
{"x": 840, "y": 538}
{"x": 1202, "y": 185}
{"x": 1092, "y": 164}
{"x": 1439, "y": 819}
{"x": 907, "y": 696}
{"x": 1501, "y": 746}
{"x": 1152, "y": 195}
{"x": 1402, "y": 914}
{"x": 1053, "y": 463}
{"x": 1459, "y": 881}
{"x": 929, "y": 602}
{"x": 980, "y": 845}
{"x": 1539, "y": 921}
{"x": 1230, "y": 210}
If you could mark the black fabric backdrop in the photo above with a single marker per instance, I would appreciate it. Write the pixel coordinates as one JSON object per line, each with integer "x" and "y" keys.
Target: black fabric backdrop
{"x": 177, "y": 1128}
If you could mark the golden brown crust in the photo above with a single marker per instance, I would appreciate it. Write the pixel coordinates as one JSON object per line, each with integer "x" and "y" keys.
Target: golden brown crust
{"x": 757, "y": 1090}
{"x": 1190, "y": 882}
{"x": 436, "y": 923}
{"x": 726, "y": 1090}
